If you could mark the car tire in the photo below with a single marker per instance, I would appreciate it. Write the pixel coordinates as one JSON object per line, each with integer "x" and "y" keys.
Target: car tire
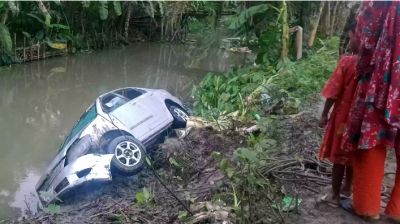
{"x": 180, "y": 116}
{"x": 128, "y": 153}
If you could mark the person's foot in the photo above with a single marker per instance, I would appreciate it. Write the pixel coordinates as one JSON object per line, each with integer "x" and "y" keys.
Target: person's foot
{"x": 347, "y": 205}
{"x": 346, "y": 191}
{"x": 330, "y": 200}
{"x": 393, "y": 219}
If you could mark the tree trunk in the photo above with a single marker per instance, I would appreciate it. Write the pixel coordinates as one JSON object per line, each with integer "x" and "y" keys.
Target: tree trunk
{"x": 314, "y": 25}
{"x": 327, "y": 18}
{"x": 4, "y": 17}
{"x": 344, "y": 37}
{"x": 285, "y": 32}
{"x": 127, "y": 21}
{"x": 299, "y": 40}
{"x": 45, "y": 12}
{"x": 333, "y": 18}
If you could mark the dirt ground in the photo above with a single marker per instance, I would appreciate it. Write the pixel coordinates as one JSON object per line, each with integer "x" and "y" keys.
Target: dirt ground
{"x": 188, "y": 169}
{"x": 305, "y": 137}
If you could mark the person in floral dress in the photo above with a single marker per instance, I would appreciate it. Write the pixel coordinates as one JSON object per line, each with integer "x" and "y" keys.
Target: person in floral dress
{"x": 374, "y": 119}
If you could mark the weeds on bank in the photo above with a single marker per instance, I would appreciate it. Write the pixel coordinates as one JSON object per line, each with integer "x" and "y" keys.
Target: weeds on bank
{"x": 241, "y": 89}
{"x": 267, "y": 92}
{"x": 253, "y": 196}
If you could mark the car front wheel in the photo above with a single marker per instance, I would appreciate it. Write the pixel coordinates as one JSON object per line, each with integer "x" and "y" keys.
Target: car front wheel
{"x": 180, "y": 116}
{"x": 128, "y": 153}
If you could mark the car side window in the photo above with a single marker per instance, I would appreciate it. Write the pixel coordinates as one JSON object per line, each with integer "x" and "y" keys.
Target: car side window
{"x": 129, "y": 93}
{"x": 112, "y": 101}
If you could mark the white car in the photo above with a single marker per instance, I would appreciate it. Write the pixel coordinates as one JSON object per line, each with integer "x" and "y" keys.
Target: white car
{"x": 111, "y": 136}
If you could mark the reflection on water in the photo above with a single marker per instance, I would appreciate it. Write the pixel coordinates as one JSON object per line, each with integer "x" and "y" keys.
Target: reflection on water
{"x": 40, "y": 101}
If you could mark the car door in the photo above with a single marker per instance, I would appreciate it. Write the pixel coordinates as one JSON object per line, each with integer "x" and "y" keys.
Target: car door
{"x": 135, "y": 117}
{"x": 162, "y": 116}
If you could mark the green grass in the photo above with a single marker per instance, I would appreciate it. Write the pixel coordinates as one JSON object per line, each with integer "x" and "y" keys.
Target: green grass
{"x": 219, "y": 94}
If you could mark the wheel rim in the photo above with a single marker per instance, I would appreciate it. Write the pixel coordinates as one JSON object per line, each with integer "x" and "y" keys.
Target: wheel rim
{"x": 180, "y": 114}
{"x": 128, "y": 153}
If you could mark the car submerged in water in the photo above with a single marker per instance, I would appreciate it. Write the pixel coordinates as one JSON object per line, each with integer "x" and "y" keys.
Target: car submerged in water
{"x": 111, "y": 135}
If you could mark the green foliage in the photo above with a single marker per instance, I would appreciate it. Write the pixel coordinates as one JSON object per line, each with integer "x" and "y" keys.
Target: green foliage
{"x": 13, "y": 7}
{"x": 219, "y": 95}
{"x": 117, "y": 8}
{"x": 85, "y": 4}
{"x": 53, "y": 209}
{"x": 5, "y": 46}
{"x": 292, "y": 84}
{"x": 143, "y": 197}
{"x": 269, "y": 45}
{"x": 103, "y": 10}
{"x": 150, "y": 10}
{"x": 306, "y": 77}
{"x": 247, "y": 15}
{"x": 250, "y": 189}
{"x": 183, "y": 215}
{"x": 5, "y": 39}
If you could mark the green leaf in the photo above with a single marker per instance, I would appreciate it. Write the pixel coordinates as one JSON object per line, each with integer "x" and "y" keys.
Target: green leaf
{"x": 5, "y": 39}
{"x": 182, "y": 215}
{"x": 148, "y": 161}
{"x": 139, "y": 198}
{"x": 103, "y": 10}
{"x": 59, "y": 26}
{"x": 47, "y": 19}
{"x": 247, "y": 14}
{"x": 173, "y": 162}
{"x": 288, "y": 204}
{"x": 53, "y": 209}
{"x": 36, "y": 17}
{"x": 143, "y": 196}
{"x": 117, "y": 8}
{"x": 85, "y": 4}
{"x": 246, "y": 154}
{"x": 26, "y": 34}
{"x": 13, "y": 7}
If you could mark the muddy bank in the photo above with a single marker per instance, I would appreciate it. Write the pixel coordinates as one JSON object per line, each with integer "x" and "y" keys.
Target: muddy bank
{"x": 185, "y": 166}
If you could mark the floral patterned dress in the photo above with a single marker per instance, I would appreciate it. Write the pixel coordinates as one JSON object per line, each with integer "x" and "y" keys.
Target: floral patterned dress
{"x": 374, "y": 117}
{"x": 341, "y": 87}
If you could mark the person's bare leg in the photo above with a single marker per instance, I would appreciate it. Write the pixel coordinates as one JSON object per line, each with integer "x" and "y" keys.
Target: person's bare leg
{"x": 337, "y": 178}
{"x": 346, "y": 189}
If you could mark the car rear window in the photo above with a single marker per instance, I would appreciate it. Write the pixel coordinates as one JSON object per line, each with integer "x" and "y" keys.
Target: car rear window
{"x": 129, "y": 93}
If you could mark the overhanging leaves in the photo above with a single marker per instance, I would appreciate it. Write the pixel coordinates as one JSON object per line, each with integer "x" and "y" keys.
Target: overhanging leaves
{"x": 103, "y": 10}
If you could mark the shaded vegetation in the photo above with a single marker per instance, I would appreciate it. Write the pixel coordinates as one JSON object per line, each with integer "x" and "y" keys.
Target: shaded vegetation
{"x": 240, "y": 89}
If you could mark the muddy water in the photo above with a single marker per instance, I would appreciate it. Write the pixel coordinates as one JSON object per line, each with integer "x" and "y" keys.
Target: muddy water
{"x": 40, "y": 101}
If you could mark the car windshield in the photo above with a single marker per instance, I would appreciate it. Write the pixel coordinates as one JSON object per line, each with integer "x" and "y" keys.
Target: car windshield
{"x": 86, "y": 118}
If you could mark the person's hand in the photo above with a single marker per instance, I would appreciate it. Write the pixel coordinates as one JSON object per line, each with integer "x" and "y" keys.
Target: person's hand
{"x": 323, "y": 121}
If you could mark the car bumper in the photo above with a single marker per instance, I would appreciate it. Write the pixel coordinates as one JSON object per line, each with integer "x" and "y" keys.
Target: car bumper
{"x": 90, "y": 167}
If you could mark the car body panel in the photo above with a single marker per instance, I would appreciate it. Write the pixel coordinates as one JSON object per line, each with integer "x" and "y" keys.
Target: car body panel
{"x": 144, "y": 117}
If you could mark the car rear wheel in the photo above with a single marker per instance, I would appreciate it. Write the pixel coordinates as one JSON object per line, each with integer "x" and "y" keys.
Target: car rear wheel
{"x": 128, "y": 153}
{"x": 180, "y": 116}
